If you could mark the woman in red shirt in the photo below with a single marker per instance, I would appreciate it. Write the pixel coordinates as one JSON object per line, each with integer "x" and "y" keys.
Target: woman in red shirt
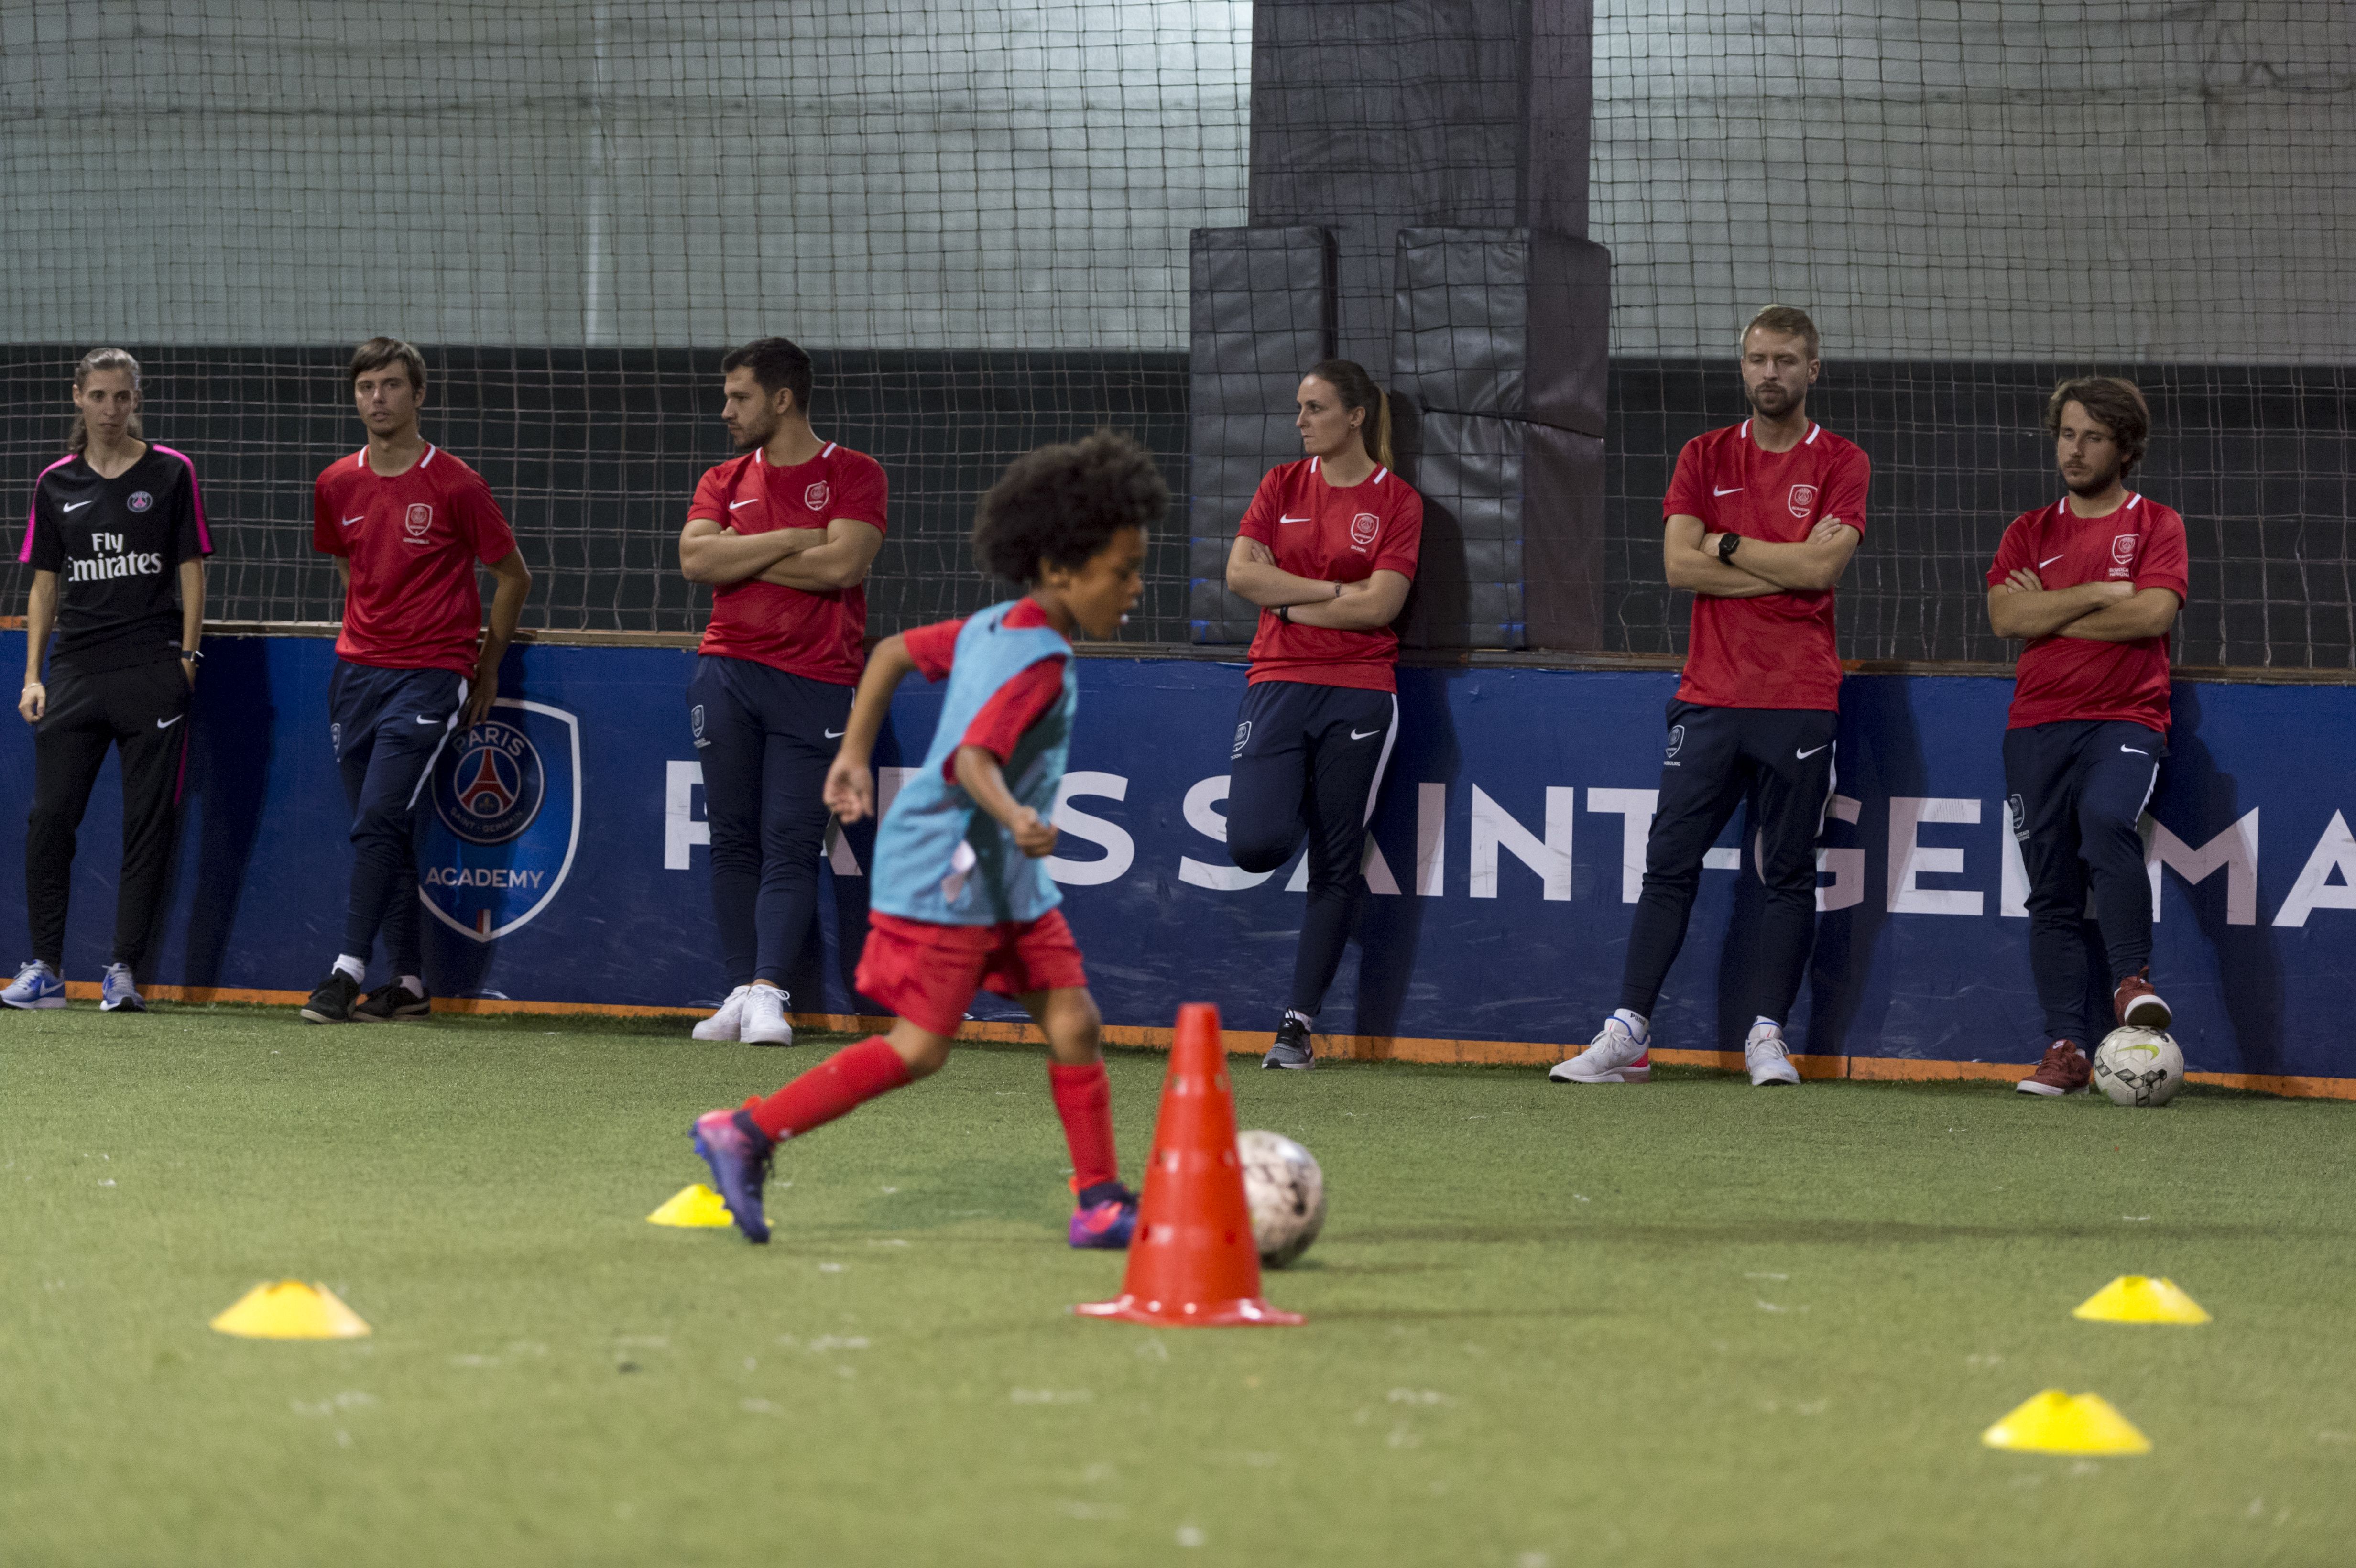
{"x": 1326, "y": 550}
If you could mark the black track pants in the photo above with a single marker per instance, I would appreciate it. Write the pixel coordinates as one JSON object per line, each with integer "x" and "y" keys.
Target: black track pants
{"x": 1310, "y": 758}
{"x": 2078, "y": 789}
{"x": 143, "y": 712}
{"x": 1777, "y": 762}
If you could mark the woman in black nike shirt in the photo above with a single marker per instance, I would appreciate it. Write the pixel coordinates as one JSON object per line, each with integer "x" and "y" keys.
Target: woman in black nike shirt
{"x": 114, "y": 526}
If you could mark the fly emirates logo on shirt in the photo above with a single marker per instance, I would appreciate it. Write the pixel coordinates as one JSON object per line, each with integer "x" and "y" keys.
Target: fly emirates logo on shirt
{"x": 98, "y": 566}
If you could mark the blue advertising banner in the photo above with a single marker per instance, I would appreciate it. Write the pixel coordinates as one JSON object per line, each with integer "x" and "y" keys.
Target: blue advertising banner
{"x": 565, "y": 859}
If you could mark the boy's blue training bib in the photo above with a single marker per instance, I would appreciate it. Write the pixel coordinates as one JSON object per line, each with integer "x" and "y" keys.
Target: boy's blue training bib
{"x": 939, "y": 856}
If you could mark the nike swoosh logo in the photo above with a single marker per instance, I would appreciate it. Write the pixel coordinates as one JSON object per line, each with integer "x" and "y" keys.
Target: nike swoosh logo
{"x": 834, "y": 734}
{"x": 347, "y": 522}
{"x": 2049, "y": 560}
{"x": 77, "y": 506}
{"x": 733, "y": 504}
{"x": 1805, "y": 755}
{"x": 168, "y": 723}
{"x": 427, "y": 719}
{"x": 1736, "y": 491}
{"x": 2132, "y": 749}
{"x": 1356, "y": 736}
{"x": 1282, "y": 518}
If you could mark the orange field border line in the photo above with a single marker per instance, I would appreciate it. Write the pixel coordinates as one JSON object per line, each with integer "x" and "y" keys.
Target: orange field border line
{"x": 1343, "y": 1047}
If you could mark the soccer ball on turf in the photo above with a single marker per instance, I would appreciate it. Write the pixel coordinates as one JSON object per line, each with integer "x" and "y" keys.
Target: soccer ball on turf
{"x": 2138, "y": 1067}
{"x": 1287, "y": 1194}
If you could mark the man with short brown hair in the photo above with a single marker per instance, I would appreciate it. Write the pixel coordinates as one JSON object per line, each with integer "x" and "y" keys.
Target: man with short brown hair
{"x": 2093, "y": 582}
{"x": 1763, "y": 518}
{"x": 407, "y": 523}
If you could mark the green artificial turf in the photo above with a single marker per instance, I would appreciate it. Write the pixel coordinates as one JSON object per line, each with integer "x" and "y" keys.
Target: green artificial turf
{"x": 1685, "y": 1323}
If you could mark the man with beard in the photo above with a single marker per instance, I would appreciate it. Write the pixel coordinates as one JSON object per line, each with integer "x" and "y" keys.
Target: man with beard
{"x": 2093, "y": 582}
{"x": 1763, "y": 518}
{"x": 784, "y": 534}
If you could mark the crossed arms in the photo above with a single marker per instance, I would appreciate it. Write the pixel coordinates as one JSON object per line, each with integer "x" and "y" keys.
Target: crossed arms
{"x": 814, "y": 560}
{"x": 1760, "y": 567}
{"x": 2022, "y": 606}
{"x": 1253, "y": 574}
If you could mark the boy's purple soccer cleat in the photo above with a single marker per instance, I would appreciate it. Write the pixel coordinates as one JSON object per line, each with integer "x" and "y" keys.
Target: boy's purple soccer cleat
{"x": 1106, "y": 1225}
{"x": 738, "y": 1153}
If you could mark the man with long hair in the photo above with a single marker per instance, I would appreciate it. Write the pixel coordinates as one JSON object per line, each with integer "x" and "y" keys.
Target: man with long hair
{"x": 2093, "y": 584}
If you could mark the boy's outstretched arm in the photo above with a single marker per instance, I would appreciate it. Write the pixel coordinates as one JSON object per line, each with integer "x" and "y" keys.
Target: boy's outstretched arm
{"x": 979, "y": 773}
{"x": 850, "y": 790}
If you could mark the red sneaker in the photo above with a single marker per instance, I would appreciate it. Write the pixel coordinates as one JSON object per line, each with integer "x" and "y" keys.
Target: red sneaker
{"x": 2137, "y": 1005}
{"x": 2063, "y": 1071}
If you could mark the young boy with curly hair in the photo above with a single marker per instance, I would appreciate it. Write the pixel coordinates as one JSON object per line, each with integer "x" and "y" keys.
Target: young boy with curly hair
{"x": 962, "y": 899}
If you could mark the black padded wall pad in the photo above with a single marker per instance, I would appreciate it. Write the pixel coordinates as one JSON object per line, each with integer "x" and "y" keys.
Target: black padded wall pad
{"x": 1262, "y": 312}
{"x": 1499, "y": 346}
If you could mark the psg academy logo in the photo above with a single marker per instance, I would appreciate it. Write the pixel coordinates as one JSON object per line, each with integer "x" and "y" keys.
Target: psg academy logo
{"x": 496, "y": 784}
{"x": 507, "y": 819}
{"x": 141, "y": 500}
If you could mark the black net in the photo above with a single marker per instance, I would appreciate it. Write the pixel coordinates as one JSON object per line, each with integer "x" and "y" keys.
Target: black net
{"x": 1974, "y": 202}
{"x": 976, "y": 216}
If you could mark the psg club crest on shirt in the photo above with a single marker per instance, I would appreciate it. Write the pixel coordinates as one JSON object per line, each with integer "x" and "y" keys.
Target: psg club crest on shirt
{"x": 2122, "y": 548}
{"x": 816, "y": 496}
{"x": 1803, "y": 501}
{"x": 141, "y": 500}
{"x": 1364, "y": 526}
{"x": 420, "y": 519}
{"x": 506, "y": 820}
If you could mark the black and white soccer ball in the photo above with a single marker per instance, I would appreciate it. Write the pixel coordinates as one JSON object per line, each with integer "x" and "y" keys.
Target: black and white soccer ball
{"x": 1287, "y": 1194}
{"x": 2139, "y": 1067}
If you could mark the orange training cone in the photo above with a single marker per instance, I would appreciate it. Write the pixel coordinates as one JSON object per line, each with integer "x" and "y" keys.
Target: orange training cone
{"x": 1193, "y": 1261}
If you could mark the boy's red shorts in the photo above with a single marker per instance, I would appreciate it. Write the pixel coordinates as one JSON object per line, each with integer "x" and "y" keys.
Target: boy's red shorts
{"x": 927, "y": 972}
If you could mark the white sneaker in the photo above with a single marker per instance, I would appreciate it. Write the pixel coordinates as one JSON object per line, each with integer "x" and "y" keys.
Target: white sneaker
{"x": 765, "y": 1018}
{"x": 1768, "y": 1062}
{"x": 1614, "y": 1057}
{"x": 724, "y": 1024}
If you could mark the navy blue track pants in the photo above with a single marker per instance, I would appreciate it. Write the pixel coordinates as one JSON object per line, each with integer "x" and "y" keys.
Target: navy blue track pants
{"x": 2078, "y": 789}
{"x": 1776, "y": 764}
{"x": 765, "y": 738}
{"x": 1308, "y": 759}
{"x": 387, "y": 727}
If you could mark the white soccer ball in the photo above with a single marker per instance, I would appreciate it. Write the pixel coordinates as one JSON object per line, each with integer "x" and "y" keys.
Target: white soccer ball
{"x": 1287, "y": 1193}
{"x": 2138, "y": 1067}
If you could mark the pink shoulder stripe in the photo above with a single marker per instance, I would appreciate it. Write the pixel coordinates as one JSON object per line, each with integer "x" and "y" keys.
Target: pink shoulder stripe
{"x": 196, "y": 494}
{"x": 26, "y": 553}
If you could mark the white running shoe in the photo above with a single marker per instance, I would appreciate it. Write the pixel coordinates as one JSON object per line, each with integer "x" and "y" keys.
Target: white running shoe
{"x": 1768, "y": 1062}
{"x": 1614, "y": 1056}
{"x": 765, "y": 1018}
{"x": 725, "y": 1023}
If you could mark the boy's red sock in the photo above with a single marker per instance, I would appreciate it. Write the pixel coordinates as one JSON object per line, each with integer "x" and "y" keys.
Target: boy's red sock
{"x": 847, "y": 1078}
{"x": 1083, "y": 1099}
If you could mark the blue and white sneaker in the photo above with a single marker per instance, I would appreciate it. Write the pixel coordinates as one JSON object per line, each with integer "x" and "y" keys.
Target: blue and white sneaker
{"x": 117, "y": 994}
{"x": 36, "y": 985}
{"x": 738, "y": 1152}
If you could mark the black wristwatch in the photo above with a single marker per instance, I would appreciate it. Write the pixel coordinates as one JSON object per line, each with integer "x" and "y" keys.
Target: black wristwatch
{"x": 1726, "y": 545}
{"x": 1284, "y": 613}
{"x": 192, "y": 656}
